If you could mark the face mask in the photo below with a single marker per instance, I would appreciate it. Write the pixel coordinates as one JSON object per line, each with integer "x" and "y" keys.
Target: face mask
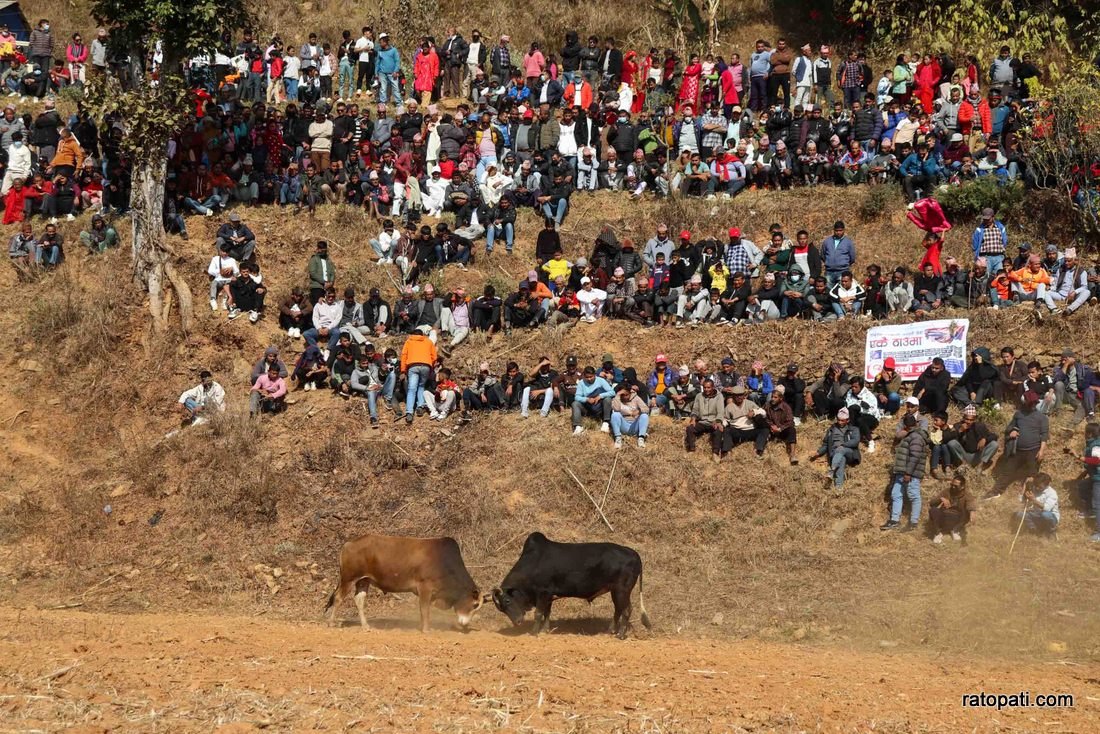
{"x": 45, "y": 26}
{"x": 17, "y": 143}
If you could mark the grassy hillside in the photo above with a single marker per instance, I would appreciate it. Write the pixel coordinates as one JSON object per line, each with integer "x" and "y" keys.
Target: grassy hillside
{"x": 749, "y": 548}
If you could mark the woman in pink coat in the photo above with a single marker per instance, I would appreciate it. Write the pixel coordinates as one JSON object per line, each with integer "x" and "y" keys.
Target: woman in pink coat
{"x": 425, "y": 72}
{"x": 925, "y": 81}
{"x": 76, "y": 54}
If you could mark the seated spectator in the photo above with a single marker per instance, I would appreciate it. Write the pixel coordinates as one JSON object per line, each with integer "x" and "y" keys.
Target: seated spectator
{"x": 822, "y": 305}
{"x": 706, "y": 416}
{"x": 863, "y": 410}
{"x": 511, "y": 383}
{"x": 270, "y": 359}
{"x": 246, "y": 293}
{"x": 100, "y": 236}
{"x": 311, "y": 371}
{"x": 951, "y": 511}
{"x": 1073, "y": 385}
{"x": 908, "y": 468}
{"x": 222, "y": 270}
{"x": 978, "y": 381}
{"x": 840, "y": 446}
{"x": 847, "y": 296}
{"x": 203, "y": 400}
{"x": 268, "y": 394}
{"x": 441, "y": 400}
{"x": 23, "y": 248}
{"x": 681, "y": 394}
{"x": 295, "y": 312}
{"x": 1040, "y": 514}
{"x": 829, "y": 394}
{"x": 927, "y": 290}
{"x": 51, "y": 250}
{"x": 931, "y": 387}
{"x": 591, "y": 300}
{"x": 939, "y": 455}
{"x": 898, "y": 292}
{"x": 1069, "y": 285}
{"x": 327, "y": 313}
{"x": 973, "y": 443}
{"x": 887, "y": 387}
{"x": 366, "y": 382}
{"x": 1030, "y": 282}
{"x": 629, "y": 415}
{"x": 779, "y": 421}
{"x": 759, "y": 383}
{"x": 1042, "y": 385}
{"x": 235, "y": 238}
{"x": 592, "y": 397}
{"x": 744, "y": 422}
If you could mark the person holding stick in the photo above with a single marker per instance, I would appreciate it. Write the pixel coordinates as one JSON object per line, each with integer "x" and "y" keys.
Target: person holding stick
{"x": 1040, "y": 513}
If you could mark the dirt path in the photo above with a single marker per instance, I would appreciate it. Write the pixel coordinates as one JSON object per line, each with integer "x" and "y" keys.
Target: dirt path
{"x": 96, "y": 672}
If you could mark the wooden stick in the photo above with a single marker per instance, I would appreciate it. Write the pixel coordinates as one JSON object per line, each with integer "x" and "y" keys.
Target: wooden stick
{"x": 590, "y": 499}
{"x": 1023, "y": 516}
{"x": 603, "y": 500}
{"x": 11, "y": 421}
{"x": 524, "y": 343}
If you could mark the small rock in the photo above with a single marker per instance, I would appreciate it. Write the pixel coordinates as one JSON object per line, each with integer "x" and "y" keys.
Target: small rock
{"x": 53, "y": 401}
{"x": 30, "y": 365}
{"x": 887, "y": 643}
{"x": 718, "y": 618}
{"x": 120, "y": 491}
{"x": 1057, "y": 646}
{"x": 301, "y": 565}
{"x": 799, "y": 634}
{"x": 277, "y": 573}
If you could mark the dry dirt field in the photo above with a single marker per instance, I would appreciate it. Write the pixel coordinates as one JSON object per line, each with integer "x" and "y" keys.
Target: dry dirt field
{"x": 76, "y": 671}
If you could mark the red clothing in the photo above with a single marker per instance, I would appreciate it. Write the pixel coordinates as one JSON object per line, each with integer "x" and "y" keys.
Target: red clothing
{"x": 689, "y": 92}
{"x": 928, "y": 215}
{"x": 925, "y": 82}
{"x": 730, "y": 95}
{"x": 425, "y": 70}
{"x": 931, "y": 257}
{"x": 14, "y": 202}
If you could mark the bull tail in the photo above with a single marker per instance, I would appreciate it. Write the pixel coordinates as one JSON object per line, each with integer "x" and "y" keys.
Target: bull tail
{"x": 641, "y": 601}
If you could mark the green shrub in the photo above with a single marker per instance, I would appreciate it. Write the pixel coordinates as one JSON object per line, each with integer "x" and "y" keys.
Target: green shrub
{"x": 968, "y": 199}
{"x": 877, "y": 201}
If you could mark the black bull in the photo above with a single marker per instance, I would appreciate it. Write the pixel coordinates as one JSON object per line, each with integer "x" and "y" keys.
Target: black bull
{"x": 547, "y": 571}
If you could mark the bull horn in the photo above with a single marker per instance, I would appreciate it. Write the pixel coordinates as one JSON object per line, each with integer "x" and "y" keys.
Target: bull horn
{"x": 498, "y": 599}
{"x": 486, "y": 598}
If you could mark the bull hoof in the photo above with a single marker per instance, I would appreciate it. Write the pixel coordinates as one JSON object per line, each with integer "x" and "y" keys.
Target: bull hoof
{"x": 621, "y": 635}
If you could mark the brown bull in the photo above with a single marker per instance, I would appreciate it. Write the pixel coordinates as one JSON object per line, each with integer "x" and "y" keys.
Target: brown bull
{"x": 431, "y": 568}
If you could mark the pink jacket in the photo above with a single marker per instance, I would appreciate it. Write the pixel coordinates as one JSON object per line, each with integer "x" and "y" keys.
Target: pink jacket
{"x": 76, "y": 54}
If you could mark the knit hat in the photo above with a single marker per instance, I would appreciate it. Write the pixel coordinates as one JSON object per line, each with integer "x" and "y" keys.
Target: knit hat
{"x": 842, "y": 414}
{"x": 757, "y": 365}
{"x": 619, "y": 272}
{"x": 1070, "y": 253}
{"x": 484, "y": 367}
{"x": 1031, "y": 398}
{"x": 970, "y": 411}
{"x": 780, "y": 389}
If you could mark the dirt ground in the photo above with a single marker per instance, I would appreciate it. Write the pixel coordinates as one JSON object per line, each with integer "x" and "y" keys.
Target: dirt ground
{"x": 159, "y": 672}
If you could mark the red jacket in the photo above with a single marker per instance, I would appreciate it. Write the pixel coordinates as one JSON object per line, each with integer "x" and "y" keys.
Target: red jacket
{"x": 967, "y": 114}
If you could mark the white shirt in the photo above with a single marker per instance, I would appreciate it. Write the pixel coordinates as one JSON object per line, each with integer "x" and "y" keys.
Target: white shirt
{"x": 591, "y": 296}
{"x": 213, "y": 396}
{"x": 474, "y": 52}
{"x": 567, "y": 144}
{"x": 217, "y": 264}
{"x": 1047, "y": 500}
{"x": 292, "y": 68}
{"x": 364, "y": 46}
{"x": 387, "y": 240}
{"x": 19, "y": 161}
{"x": 327, "y": 316}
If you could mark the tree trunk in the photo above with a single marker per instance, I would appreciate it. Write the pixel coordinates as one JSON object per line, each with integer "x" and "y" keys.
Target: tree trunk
{"x": 152, "y": 267}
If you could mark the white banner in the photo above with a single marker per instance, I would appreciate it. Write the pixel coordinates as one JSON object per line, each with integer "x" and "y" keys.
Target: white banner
{"x": 913, "y": 347}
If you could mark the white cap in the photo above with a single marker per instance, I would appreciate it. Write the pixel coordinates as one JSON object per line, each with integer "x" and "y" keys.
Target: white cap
{"x": 912, "y": 401}
{"x": 585, "y": 279}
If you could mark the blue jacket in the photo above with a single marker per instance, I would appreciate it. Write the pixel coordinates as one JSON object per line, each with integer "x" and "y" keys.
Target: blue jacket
{"x": 979, "y": 234}
{"x": 762, "y": 384}
{"x": 670, "y": 379}
{"x": 388, "y": 61}
{"x": 598, "y": 387}
{"x": 839, "y": 257}
{"x": 914, "y": 166}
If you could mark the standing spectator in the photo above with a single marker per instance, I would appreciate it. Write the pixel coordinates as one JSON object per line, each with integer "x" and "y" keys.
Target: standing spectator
{"x": 1025, "y": 445}
{"x": 838, "y": 253}
{"x": 99, "y": 52}
{"x": 386, "y": 66}
{"x": 990, "y": 241}
{"x": 40, "y": 50}
{"x": 322, "y": 272}
{"x": 418, "y": 356}
{"x": 909, "y": 456}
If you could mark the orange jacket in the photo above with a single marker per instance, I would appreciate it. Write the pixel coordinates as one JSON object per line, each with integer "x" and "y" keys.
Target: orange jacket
{"x": 418, "y": 349}
{"x": 69, "y": 153}
{"x": 1029, "y": 280}
{"x": 571, "y": 91}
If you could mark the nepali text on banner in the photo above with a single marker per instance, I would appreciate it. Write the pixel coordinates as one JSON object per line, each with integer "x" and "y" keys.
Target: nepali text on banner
{"x": 914, "y": 346}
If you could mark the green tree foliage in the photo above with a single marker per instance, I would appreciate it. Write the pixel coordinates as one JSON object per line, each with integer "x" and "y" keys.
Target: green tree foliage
{"x": 980, "y": 26}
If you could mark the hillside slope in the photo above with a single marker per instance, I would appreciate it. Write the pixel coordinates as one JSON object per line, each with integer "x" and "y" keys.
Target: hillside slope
{"x": 743, "y": 549}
